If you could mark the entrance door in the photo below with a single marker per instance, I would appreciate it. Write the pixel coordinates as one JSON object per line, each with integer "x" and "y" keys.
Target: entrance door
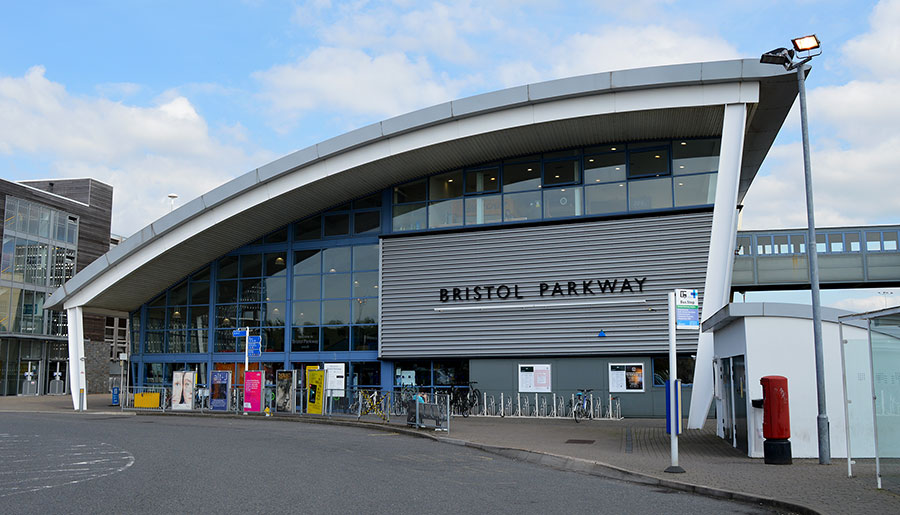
{"x": 57, "y": 378}
{"x": 29, "y": 377}
{"x": 727, "y": 412}
{"x": 739, "y": 385}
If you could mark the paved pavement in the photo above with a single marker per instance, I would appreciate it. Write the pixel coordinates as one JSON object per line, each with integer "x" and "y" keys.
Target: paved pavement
{"x": 634, "y": 450}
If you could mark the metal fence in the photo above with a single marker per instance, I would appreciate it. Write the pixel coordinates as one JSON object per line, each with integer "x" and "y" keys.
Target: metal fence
{"x": 144, "y": 398}
{"x": 545, "y": 405}
{"x": 376, "y": 405}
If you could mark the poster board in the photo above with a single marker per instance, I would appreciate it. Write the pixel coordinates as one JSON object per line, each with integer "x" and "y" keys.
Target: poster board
{"x": 219, "y": 390}
{"x": 315, "y": 401}
{"x": 285, "y": 391}
{"x": 534, "y": 379}
{"x": 183, "y": 389}
{"x": 334, "y": 379}
{"x": 626, "y": 377}
{"x": 253, "y": 391}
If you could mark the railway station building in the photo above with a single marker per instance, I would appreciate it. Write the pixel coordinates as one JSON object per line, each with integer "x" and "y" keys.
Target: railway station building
{"x": 527, "y": 234}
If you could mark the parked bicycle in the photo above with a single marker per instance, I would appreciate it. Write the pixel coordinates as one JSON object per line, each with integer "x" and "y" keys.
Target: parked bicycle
{"x": 582, "y": 408}
{"x": 465, "y": 401}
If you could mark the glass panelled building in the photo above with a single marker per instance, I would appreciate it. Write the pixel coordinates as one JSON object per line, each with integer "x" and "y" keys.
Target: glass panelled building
{"x": 310, "y": 289}
{"x": 39, "y": 253}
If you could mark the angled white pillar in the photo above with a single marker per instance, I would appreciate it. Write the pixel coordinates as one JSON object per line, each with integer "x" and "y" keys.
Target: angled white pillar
{"x": 77, "y": 377}
{"x": 721, "y": 255}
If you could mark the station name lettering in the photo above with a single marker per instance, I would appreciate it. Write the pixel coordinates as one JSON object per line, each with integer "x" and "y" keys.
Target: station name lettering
{"x": 564, "y": 288}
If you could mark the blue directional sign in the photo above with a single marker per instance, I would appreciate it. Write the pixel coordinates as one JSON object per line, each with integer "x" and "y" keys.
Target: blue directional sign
{"x": 255, "y": 339}
{"x": 237, "y": 333}
{"x": 254, "y": 350}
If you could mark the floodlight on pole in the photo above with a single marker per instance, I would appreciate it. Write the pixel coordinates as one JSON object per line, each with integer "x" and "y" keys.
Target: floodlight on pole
{"x": 172, "y": 197}
{"x": 785, "y": 57}
{"x": 806, "y": 43}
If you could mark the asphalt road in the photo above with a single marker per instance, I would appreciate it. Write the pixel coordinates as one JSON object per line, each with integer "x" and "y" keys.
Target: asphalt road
{"x": 141, "y": 464}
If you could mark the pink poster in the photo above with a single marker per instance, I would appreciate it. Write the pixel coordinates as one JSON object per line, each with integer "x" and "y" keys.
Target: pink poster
{"x": 253, "y": 391}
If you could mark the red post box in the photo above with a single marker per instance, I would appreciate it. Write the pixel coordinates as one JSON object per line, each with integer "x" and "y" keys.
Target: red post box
{"x": 776, "y": 420}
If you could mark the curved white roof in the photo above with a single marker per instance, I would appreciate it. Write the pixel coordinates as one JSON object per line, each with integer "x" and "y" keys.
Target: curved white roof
{"x": 649, "y": 103}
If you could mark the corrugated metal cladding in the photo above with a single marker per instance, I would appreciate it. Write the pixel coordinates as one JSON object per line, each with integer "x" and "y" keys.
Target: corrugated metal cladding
{"x": 654, "y": 254}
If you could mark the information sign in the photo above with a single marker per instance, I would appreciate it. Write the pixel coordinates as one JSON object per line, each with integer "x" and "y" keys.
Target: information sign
{"x": 687, "y": 309}
{"x": 239, "y": 333}
{"x": 534, "y": 378}
{"x": 254, "y": 339}
{"x": 334, "y": 379}
{"x": 254, "y": 350}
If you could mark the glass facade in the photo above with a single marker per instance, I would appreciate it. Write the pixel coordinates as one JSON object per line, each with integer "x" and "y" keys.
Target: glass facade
{"x": 311, "y": 289}
{"x": 39, "y": 252}
{"x": 38, "y": 255}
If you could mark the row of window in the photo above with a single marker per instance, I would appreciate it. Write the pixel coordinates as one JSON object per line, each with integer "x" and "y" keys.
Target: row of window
{"x": 33, "y": 219}
{"x": 337, "y": 338}
{"x": 596, "y": 181}
{"x": 826, "y": 243}
{"x": 35, "y": 262}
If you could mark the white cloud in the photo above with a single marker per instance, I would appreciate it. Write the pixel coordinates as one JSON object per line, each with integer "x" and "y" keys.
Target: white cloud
{"x": 624, "y": 47}
{"x": 352, "y": 81}
{"x": 118, "y": 89}
{"x": 379, "y": 59}
{"x": 859, "y": 112}
{"x": 877, "y": 49}
{"x": 144, "y": 152}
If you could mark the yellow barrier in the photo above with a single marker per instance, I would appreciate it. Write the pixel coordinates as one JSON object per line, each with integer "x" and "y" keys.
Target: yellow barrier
{"x": 146, "y": 400}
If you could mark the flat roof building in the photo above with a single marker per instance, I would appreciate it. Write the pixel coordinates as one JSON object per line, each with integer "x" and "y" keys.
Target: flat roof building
{"x": 475, "y": 240}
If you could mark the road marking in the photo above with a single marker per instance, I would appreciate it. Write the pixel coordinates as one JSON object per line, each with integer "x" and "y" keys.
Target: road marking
{"x": 52, "y": 463}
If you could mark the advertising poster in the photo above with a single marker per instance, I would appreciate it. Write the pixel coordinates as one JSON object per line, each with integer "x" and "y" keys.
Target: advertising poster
{"x": 334, "y": 379}
{"x": 534, "y": 378}
{"x": 284, "y": 391}
{"x": 253, "y": 391}
{"x": 219, "y": 390}
{"x": 626, "y": 377}
{"x": 315, "y": 381}
{"x": 183, "y": 390}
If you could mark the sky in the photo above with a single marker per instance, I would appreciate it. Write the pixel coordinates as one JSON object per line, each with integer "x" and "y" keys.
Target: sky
{"x": 159, "y": 97}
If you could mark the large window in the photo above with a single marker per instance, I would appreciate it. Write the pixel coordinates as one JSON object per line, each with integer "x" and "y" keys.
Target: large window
{"x": 335, "y": 299}
{"x": 601, "y": 180}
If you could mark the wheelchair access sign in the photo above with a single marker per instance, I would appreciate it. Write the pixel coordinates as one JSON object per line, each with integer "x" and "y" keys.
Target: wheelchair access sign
{"x": 687, "y": 309}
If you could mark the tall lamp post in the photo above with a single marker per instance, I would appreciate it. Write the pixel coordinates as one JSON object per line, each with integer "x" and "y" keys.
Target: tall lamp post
{"x": 807, "y": 46}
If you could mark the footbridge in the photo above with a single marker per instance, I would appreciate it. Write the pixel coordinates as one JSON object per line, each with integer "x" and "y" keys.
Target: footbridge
{"x": 849, "y": 257}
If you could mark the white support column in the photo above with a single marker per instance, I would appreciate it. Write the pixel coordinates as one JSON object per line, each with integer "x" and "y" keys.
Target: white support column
{"x": 77, "y": 378}
{"x": 721, "y": 255}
